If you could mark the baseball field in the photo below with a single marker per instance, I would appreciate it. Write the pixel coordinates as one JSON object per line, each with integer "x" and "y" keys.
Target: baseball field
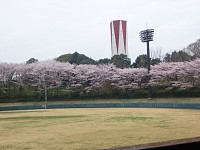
{"x": 94, "y": 128}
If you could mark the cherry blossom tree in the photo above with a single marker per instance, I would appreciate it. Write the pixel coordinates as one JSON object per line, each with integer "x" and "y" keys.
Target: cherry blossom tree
{"x": 88, "y": 78}
{"x": 176, "y": 74}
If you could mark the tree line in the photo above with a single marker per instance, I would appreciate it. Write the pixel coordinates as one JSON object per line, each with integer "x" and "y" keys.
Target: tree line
{"x": 78, "y": 76}
{"x": 191, "y": 52}
{"x": 65, "y": 80}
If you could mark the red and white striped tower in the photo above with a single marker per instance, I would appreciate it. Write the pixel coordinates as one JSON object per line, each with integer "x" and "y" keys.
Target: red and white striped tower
{"x": 118, "y": 29}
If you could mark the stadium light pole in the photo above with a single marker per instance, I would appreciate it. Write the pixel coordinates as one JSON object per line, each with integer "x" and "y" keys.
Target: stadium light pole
{"x": 147, "y": 36}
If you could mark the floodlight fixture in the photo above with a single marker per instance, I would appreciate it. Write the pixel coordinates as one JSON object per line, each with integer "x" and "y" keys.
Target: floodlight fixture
{"x": 147, "y": 35}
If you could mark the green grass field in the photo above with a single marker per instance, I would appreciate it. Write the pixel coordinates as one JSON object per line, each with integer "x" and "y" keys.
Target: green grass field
{"x": 93, "y": 128}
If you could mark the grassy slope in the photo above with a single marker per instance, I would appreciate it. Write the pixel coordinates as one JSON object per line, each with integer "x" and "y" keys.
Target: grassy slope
{"x": 94, "y": 128}
{"x": 160, "y": 100}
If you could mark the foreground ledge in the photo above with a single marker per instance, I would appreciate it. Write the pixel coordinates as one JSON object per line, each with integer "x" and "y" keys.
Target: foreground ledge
{"x": 181, "y": 144}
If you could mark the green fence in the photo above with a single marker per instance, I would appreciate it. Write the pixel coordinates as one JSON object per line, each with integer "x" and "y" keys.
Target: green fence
{"x": 107, "y": 105}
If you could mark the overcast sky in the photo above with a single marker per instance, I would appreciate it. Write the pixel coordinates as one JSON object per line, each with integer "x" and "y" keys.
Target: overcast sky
{"x": 46, "y": 29}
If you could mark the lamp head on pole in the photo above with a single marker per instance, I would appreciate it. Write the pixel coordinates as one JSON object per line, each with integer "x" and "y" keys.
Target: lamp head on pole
{"x": 146, "y": 35}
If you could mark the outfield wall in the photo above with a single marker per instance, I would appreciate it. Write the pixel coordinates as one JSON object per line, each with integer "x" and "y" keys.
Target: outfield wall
{"x": 107, "y": 105}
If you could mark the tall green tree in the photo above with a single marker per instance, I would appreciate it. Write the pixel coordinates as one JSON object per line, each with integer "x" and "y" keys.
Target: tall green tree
{"x": 167, "y": 57}
{"x": 104, "y": 61}
{"x": 179, "y": 56}
{"x": 121, "y": 61}
{"x": 155, "y": 61}
{"x": 31, "y": 60}
{"x": 141, "y": 61}
{"x": 76, "y": 58}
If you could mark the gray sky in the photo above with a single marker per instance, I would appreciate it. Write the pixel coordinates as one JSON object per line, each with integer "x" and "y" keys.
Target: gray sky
{"x": 46, "y": 29}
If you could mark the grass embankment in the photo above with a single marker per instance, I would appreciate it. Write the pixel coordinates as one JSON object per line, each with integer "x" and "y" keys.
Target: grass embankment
{"x": 145, "y": 100}
{"x": 94, "y": 128}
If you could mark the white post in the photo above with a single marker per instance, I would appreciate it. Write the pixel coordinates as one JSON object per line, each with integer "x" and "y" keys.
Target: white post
{"x": 45, "y": 96}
